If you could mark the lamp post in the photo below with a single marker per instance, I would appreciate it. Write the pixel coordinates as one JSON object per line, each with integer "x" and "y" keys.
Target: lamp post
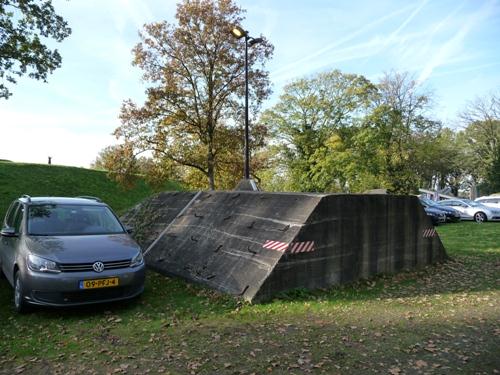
{"x": 239, "y": 33}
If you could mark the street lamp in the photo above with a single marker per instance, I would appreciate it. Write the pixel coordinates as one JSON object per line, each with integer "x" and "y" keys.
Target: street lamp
{"x": 239, "y": 33}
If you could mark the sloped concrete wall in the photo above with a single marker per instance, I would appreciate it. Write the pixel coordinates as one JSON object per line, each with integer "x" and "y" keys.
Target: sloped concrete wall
{"x": 255, "y": 244}
{"x": 218, "y": 241}
{"x": 150, "y": 217}
{"x": 357, "y": 236}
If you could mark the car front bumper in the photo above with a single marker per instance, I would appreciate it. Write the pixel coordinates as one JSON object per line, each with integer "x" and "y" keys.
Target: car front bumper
{"x": 453, "y": 217}
{"x": 63, "y": 289}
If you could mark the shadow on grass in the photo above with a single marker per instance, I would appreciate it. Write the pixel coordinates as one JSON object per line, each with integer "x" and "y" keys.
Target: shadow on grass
{"x": 162, "y": 296}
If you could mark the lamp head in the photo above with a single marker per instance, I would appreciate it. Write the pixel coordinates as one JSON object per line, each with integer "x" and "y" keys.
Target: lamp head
{"x": 238, "y": 32}
{"x": 254, "y": 41}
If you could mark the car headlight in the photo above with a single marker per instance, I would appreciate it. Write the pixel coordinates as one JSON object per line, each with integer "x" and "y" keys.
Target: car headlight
{"x": 38, "y": 264}
{"x": 137, "y": 260}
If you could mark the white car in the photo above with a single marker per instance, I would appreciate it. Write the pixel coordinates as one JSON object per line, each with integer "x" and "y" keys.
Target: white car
{"x": 492, "y": 201}
{"x": 470, "y": 210}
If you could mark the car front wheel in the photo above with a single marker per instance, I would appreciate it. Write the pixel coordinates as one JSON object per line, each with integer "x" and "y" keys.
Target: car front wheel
{"x": 480, "y": 217}
{"x": 20, "y": 304}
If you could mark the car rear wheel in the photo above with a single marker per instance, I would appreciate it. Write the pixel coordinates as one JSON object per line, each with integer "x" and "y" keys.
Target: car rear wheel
{"x": 480, "y": 217}
{"x": 20, "y": 304}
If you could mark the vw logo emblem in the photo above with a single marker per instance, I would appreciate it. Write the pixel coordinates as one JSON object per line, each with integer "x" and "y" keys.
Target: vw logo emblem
{"x": 98, "y": 266}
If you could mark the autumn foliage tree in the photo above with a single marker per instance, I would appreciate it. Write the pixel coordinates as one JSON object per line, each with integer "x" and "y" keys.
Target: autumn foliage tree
{"x": 195, "y": 76}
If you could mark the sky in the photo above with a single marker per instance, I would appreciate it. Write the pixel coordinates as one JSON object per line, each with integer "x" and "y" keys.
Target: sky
{"x": 452, "y": 47}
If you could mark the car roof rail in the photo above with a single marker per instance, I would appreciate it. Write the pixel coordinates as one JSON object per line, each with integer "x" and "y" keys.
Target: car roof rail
{"x": 27, "y": 197}
{"x": 90, "y": 198}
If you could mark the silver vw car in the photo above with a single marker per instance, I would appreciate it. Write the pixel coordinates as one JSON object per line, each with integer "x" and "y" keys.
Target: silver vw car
{"x": 68, "y": 251}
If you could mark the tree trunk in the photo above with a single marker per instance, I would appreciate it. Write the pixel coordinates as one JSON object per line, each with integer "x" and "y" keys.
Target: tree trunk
{"x": 211, "y": 180}
{"x": 210, "y": 160}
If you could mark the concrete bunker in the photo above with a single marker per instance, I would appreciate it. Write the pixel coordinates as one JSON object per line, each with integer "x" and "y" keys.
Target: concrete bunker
{"x": 256, "y": 244}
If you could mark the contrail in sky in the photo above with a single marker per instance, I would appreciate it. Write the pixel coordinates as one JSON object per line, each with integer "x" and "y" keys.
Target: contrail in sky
{"x": 341, "y": 41}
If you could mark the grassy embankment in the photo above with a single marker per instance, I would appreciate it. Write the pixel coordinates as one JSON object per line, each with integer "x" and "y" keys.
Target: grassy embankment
{"x": 443, "y": 319}
{"x": 43, "y": 180}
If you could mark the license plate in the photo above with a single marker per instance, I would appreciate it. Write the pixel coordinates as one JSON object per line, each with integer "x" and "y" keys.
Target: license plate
{"x": 99, "y": 283}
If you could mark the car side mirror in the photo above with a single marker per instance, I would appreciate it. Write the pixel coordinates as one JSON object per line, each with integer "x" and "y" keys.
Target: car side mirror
{"x": 8, "y": 232}
{"x": 129, "y": 230}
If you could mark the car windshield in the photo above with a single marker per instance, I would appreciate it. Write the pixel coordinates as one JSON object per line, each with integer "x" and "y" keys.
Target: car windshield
{"x": 445, "y": 202}
{"x": 428, "y": 202}
{"x": 71, "y": 220}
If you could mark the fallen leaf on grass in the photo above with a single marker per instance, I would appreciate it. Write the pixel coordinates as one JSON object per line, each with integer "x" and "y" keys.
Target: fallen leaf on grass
{"x": 420, "y": 363}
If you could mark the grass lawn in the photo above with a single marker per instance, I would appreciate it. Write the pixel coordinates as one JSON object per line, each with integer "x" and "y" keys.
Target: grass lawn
{"x": 17, "y": 179}
{"x": 444, "y": 319}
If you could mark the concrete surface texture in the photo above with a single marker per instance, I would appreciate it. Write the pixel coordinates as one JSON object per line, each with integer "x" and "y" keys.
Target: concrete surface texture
{"x": 256, "y": 244}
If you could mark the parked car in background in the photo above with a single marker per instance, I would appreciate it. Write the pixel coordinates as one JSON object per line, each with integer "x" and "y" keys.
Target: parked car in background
{"x": 451, "y": 214}
{"x": 492, "y": 201}
{"x": 437, "y": 216}
{"x": 470, "y": 210}
{"x": 67, "y": 252}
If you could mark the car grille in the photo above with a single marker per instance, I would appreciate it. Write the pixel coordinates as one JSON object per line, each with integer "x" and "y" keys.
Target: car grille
{"x": 83, "y": 267}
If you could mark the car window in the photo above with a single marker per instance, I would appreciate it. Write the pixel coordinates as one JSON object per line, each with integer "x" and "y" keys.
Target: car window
{"x": 9, "y": 219}
{"x": 18, "y": 218}
{"x": 488, "y": 201}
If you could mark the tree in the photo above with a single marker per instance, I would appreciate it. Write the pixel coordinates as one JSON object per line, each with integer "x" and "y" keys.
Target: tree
{"x": 119, "y": 162}
{"x": 481, "y": 136}
{"x": 23, "y": 24}
{"x": 340, "y": 132}
{"x": 195, "y": 70}
{"x": 440, "y": 160}
{"x": 124, "y": 167}
{"x": 309, "y": 113}
{"x": 401, "y": 124}
{"x": 493, "y": 176}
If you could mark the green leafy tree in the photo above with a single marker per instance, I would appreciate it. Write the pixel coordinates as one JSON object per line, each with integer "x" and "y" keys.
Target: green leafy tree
{"x": 493, "y": 176}
{"x": 312, "y": 116}
{"x": 195, "y": 72}
{"x": 440, "y": 160}
{"x": 482, "y": 132}
{"x": 401, "y": 123}
{"x": 23, "y": 26}
{"x": 481, "y": 136}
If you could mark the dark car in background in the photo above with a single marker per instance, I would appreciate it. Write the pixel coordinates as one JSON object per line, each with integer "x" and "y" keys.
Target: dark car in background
{"x": 451, "y": 214}
{"x": 437, "y": 216}
{"x": 68, "y": 251}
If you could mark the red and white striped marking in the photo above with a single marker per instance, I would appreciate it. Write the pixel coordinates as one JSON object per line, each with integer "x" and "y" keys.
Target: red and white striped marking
{"x": 293, "y": 248}
{"x": 301, "y": 247}
{"x": 429, "y": 232}
{"x": 276, "y": 245}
